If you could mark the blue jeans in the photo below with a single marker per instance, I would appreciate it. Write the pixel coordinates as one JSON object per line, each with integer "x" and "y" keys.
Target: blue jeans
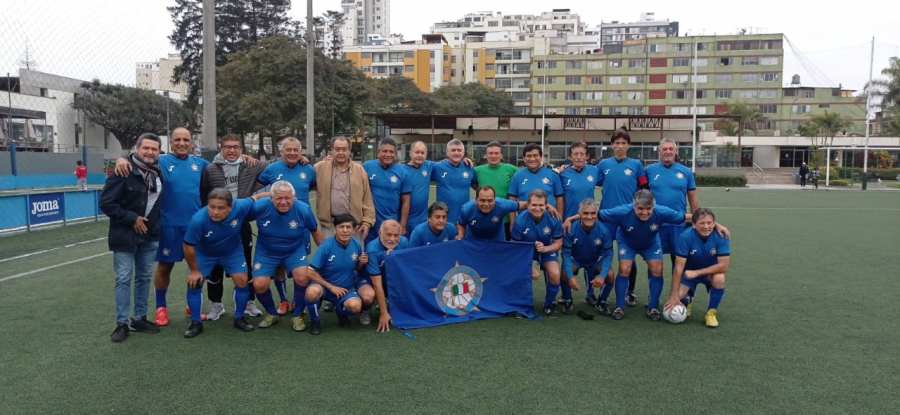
{"x": 139, "y": 262}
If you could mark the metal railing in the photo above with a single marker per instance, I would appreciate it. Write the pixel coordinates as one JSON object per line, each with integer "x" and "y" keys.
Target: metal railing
{"x": 759, "y": 173}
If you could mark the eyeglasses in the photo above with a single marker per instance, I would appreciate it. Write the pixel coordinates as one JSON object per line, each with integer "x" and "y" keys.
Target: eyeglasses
{"x": 231, "y": 147}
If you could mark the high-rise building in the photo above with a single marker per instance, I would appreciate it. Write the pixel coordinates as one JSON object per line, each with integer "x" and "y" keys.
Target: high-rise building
{"x": 157, "y": 76}
{"x": 365, "y": 17}
{"x": 646, "y": 27}
{"x": 426, "y": 61}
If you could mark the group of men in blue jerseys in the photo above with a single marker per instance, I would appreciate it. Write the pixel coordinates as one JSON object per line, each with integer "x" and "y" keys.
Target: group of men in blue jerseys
{"x": 158, "y": 199}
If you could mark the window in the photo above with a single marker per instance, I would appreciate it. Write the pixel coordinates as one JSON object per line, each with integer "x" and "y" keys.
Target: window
{"x": 749, "y": 60}
{"x": 367, "y": 55}
{"x": 679, "y": 79}
{"x": 824, "y": 105}
{"x": 701, "y": 62}
{"x": 475, "y": 67}
{"x": 679, "y": 110}
{"x": 680, "y": 62}
{"x": 452, "y": 72}
{"x": 540, "y": 96}
{"x": 684, "y": 94}
{"x": 723, "y": 77}
{"x": 493, "y": 23}
{"x": 489, "y": 66}
{"x": 702, "y": 93}
{"x": 615, "y": 80}
{"x": 593, "y": 96}
{"x": 615, "y": 110}
{"x": 701, "y": 79}
{"x": 768, "y": 109}
{"x": 503, "y": 83}
{"x": 475, "y": 53}
{"x": 657, "y": 48}
{"x": 593, "y": 111}
{"x": 549, "y": 64}
{"x": 809, "y": 94}
{"x": 633, "y": 49}
{"x": 431, "y": 54}
{"x": 770, "y": 77}
{"x": 768, "y": 60}
{"x": 615, "y": 63}
{"x": 410, "y": 68}
{"x": 549, "y": 80}
{"x": 765, "y": 125}
{"x": 595, "y": 80}
{"x": 700, "y": 111}
{"x": 615, "y": 95}
{"x": 636, "y": 79}
{"x": 637, "y": 63}
{"x": 748, "y": 93}
{"x": 635, "y": 110}
{"x": 573, "y": 96}
{"x": 726, "y": 61}
{"x": 446, "y": 57}
{"x": 681, "y": 47}
{"x": 366, "y": 69}
{"x": 595, "y": 64}
{"x": 768, "y": 93}
{"x": 573, "y": 64}
{"x": 573, "y": 80}
{"x": 749, "y": 77}
{"x": 635, "y": 94}
{"x": 723, "y": 93}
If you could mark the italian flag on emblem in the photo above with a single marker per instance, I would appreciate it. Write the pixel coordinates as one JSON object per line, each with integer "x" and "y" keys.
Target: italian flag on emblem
{"x": 460, "y": 289}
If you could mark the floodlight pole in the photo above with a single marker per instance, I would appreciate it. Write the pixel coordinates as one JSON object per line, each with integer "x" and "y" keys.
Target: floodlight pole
{"x": 868, "y": 95}
{"x": 310, "y": 83}
{"x": 544, "y": 98}
{"x": 209, "y": 75}
{"x": 694, "y": 133}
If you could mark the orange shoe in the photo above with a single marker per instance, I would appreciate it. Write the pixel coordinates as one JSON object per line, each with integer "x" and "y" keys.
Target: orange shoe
{"x": 162, "y": 316}
{"x": 293, "y": 306}
{"x": 187, "y": 310}
{"x": 283, "y": 308}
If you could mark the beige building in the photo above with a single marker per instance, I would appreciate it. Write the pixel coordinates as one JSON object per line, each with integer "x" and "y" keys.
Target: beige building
{"x": 157, "y": 76}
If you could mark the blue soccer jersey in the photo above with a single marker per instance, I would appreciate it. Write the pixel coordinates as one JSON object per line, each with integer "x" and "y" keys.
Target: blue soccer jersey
{"x": 301, "y": 176}
{"x": 282, "y": 233}
{"x": 701, "y": 253}
{"x": 579, "y": 185}
{"x": 636, "y": 233}
{"x": 180, "y": 198}
{"x": 620, "y": 181}
{"x": 387, "y": 185}
{"x": 453, "y": 186}
{"x": 336, "y": 263}
{"x": 670, "y": 185}
{"x": 488, "y": 226}
{"x": 423, "y": 235}
{"x": 587, "y": 247}
{"x": 217, "y": 239}
{"x": 545, "y": 229}
{"x": 377, "y": 252}
{"x": 524, "y": 181}
{"x": 420, "y": 187}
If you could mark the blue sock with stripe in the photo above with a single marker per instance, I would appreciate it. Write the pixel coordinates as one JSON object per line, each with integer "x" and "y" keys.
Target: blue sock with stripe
{"x": 299, "y": 299}
{"x": 281, "y": 286}
{"x": 313, "y": 308}
{"x": 241, "y": 298}
{"x": 195, "y": 302}
{"x": 604, "y": 293}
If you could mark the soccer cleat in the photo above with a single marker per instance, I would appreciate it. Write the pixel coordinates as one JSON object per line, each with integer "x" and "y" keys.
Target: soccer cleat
{"x": 119, "y": 334}
{"x": 298, "y": 323}
{"x": 162, "y": 316}
{"x": 142, "y": 325}
{"x": 591, "y": 300}
{"x": 550, "y": 311}
{"x": 268, "y": 321}
{"x": 630, "y": 300}
{"x": 618, "y": 313}
{"x": 653, "y": 314}
{"x": 187, "y": 310}
{"x": 343, "y": 321}
{"x": 215, "y": 311}
{"x": 315, "y": 328}
{"x": 568, "y": 307}
{"x": 194, "y": 330}
{"x": 242, "y": 324}
{"x": 603, "y": 309}
{"x": 251, "y": 309}
{"x": 327, "y": 307}
{"x": 283, "y": 308}
{"x": 292, "y": 306}
{"x": 687, "y": 308}
{"x": 365, "y": 318}
{"x": 711, "y": 320}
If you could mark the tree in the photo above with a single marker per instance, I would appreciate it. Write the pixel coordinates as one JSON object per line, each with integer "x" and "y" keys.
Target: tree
{"x": 239, "y": 25}
{"x": 886, "y": 91}
{"x": 728, "y": 128}
{"x": 748, "y": 118}
{"x": 27, "y": 60}
{"x": 827, "y": 125}
{"x": 473, "y": 98}
{"x": 129, "y": 112}
{"x": 332, "y": 21}
{"x": 399, "y": 95}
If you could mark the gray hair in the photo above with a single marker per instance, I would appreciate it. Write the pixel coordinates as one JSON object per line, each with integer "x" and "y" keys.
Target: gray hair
{"x": 644, "y": 197}
{"x": 222, "y": 194}
{"x": 415, "y": 143}
{"x": 588, "y": 204}
{"x": 667, "y": 140}
{"x": 291, "y": 139}
{"x": 338, "y": 138}
{"x": 537, "y": 193}
{"x": 455, "y": 142}
{"x": 387, "y": 223}
{"x": 284, "y": 185}
{"x": 701, "y": 212}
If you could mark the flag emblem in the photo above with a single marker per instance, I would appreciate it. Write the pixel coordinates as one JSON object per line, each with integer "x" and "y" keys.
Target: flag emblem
{"x": 459, "y": 291}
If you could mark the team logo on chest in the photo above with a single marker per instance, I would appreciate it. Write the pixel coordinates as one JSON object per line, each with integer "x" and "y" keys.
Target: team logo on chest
{"x": 465, "y": 175}
{"x": 654, "y": 227}
{"x": 597, "y": 241}
{"x": 293, "y": 224}
{"x": 679, "y": 175}
{"x": 590, "y": 179}
{"x": 495, "y": 219}
{"x": 712, "y": 251}
{"x": 354, "y": 257}
{"x": 545, "y": 180}
{"x": 394, "y": 179}
{"x": 546, "y": 230}
{"x": 628, "y": 172}
{"x": 424, "y": 173}
{"x": 194, "y": 167}
{"x": 459, "y": 291}
{"x": 303, "y": 176}
{"x": 234, "y": 223}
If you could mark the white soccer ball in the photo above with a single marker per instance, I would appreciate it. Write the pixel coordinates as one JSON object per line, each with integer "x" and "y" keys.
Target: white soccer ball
{"x": 677, "y": 315}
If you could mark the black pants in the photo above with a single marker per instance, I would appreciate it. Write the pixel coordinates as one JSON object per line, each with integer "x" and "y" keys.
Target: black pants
{"x": 215, "y": 289}
{"x": 802, "y": 181}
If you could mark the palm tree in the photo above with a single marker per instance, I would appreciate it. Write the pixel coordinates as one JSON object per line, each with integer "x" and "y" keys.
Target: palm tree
{"x": 887, "y": 89}
{"x": 828, "y": 125}
{"x": 748, "y": 115}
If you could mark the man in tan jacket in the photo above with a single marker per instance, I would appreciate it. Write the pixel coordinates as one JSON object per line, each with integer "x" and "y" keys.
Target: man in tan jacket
{"x": 342, "y": 187}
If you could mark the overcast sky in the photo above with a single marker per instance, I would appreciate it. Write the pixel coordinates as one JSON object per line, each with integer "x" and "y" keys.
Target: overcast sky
{"x": 104, "y": 39}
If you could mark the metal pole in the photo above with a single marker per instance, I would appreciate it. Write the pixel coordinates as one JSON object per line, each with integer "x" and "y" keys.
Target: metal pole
{"x": 868, "y": 95}
{"x": 209, "y": 75}
{"x": 827, "y": 165}
{"x": 544, "y": 98}
{"x": 694, "y": 133}
{"x": 168, "y": 131}
{"x": 310, "y": 90}
{"x": 9, "y": 135}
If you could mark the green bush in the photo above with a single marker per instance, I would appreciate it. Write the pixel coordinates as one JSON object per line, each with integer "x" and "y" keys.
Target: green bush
{"x": 837, "y": 183}
{"x": 855, "y": 172}
{"x": 720, "y": 180}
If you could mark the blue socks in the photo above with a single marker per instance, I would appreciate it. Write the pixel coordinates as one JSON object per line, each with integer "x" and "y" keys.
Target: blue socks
{"x": 552, "y": 290}
{"x": 313, "y": 308}
{"x": 587, "y": 284}
{"x": 161, "y": 297}
{"x": 656, "y": 287}
{"x": 241, "y": 297}
{"x": 299, "y": 299}
{"x": 566, "y": 291}
{"x": 281, "y": 286}
{"x": 621, "y": 290}
{"x": 195, "y": 302}
{"x": 265, "y": 298}
{"x": 715, "y": 297}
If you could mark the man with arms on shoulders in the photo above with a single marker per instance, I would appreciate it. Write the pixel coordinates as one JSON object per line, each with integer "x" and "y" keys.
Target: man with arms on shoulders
{"x": 536, "y": 175}
{"x": 418, "y": 172}
{"x": 389, "y": 186}
{"x": 496, "y": 174}
{"x": 435, "y": 230}
{"x": 455, "y": 179}
{"x": 482, "y": 218}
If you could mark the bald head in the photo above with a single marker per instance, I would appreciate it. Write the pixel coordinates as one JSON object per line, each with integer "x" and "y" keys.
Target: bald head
{"x": 389, "y": 233}
{"x": 417, "y": 153}
{"x": 181, "y": 142}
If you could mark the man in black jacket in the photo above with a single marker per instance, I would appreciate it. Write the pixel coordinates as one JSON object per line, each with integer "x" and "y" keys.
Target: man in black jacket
{"x": 131, "y": 204}
{"x": 804, "y": 173}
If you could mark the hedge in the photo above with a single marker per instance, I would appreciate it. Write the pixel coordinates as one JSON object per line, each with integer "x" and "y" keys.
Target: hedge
{"x": 855, "y": 172}
{"x": 720, "y": 180}
{"x": 837, "y": 183}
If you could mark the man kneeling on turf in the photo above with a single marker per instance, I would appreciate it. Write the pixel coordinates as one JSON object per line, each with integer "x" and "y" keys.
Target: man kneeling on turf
{"x": 213, "y": 237}
{"x": 701, "y": 257}
{"x": 389, "y": 239}
{"x": 334, "y": 267}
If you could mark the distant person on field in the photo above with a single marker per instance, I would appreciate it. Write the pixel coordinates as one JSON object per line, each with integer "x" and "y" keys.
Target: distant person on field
{"x": 132, "y": 204}
{"x": 804, "y": 173}
{"x": 81, "y": 175}
{"x": 814, "y": 176}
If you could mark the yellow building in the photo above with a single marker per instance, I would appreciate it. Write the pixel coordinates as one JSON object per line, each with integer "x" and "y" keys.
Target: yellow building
{"x": 426, "y": 61}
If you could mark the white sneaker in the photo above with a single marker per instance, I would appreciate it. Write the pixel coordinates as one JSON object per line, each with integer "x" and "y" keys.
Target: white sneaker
{"x": 215, "y": 311}
{"x": 364, "y": 318}
{"x": 251, "y": 310}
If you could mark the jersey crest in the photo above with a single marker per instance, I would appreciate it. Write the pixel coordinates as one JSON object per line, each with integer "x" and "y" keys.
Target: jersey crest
{"x": 234, "y": 223}
{"x": 354, "y": 257}
{"x": 494, "y": 219}
{"x": 293, "y": 224}
{"x": 394, "y": 179}
{"x": 257, "y": 266}
{"x": 590, "y": 178}
{"x": 166, "y": 251}
{"x": 546, "y": 230}
{"x": 424, "y": 173}
{"x": 465, "y": 175}
{"x": 628, "y": 172}
{"x": 194, "y": 167}
{"x": 597, "y": 241}
{"x": 303, "y": 176}
{"x": 712, "y": 251}
{"x": 679, "y": 175}
{"x": 654, "y": 227}
{"x": 545, "y": 180}
{"x": 622, "y": 251}
{"x": 459, "y": 291}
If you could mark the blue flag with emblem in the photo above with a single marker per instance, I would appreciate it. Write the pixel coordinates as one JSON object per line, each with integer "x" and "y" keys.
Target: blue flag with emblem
{"x": 459, "y": 281}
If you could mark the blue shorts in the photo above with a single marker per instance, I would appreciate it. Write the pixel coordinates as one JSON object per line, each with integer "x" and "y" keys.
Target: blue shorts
{"x": 654, "y": 251}
{"x": 338, "y": 302}
{"x": 233, "y": 263}
{"x": 306, "y": 242}
{"x": 171, "y": 244}
{"x": 591, "y": 270}
{"x": 545, "y": 257}
{"x": 668, "y": 235}
{"x": 692, "y": 284}
{"x": 264, "y": 264}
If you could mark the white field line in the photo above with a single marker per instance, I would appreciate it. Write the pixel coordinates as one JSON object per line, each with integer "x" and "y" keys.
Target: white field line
{"x": 25, "y": 274}
{"x": 52, "y": 249}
